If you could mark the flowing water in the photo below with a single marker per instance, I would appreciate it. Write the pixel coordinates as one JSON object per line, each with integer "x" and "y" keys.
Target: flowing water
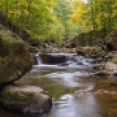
{"x": 71, "y": 86}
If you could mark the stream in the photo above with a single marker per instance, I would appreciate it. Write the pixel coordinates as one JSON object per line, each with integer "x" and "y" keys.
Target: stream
{"x": 70, "y": 85}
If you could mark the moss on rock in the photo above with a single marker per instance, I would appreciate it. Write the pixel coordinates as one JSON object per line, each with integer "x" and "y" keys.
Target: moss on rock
{"x": 15, "y": 60}
{"x": 90, "y": 38}
{"x": 29, "y": 99}
{"x": 111, "y": 40}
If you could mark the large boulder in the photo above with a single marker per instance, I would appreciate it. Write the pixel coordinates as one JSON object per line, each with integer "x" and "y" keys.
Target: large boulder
{"x": 89, "y": 38}
{"x": 26, "y": 99}
{"x": 111, "y": 40}
{"x": 15, "y": 60}
{"x": 51, "y": 59}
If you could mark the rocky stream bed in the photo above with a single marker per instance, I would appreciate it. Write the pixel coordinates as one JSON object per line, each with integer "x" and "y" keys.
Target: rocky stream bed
{"x": 76, "y": 89}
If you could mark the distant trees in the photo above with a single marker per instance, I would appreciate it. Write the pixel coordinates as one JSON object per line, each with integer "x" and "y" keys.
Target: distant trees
{"x": 43, "y": 19}
{"x": 96, "y": 14}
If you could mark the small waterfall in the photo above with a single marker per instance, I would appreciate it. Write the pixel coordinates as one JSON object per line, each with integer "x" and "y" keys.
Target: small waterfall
{"x": 38, "y": 60}
{"x": 76, "y": 59}
{"x": 71, "y": 59}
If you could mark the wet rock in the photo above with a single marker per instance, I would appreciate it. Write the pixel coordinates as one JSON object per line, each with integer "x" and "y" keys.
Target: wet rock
{"x": 115, "y": 73}
{"x": 113, "y": 84}
{"x": 45, "y": 45}
{"x": 91, "y": 52}
{"x": 106, "y": 58}
{"x": 47, "y": 50}
{"x": 99, "y": 59}
{"x": 99, "y": 66}
{"x": 45, "y": 57}
{"x": 49, "y": 59}
{"x": 69, "y": 45}
{"x": 33, "y": 49}
{"x": 101, "y": 92}
{"x": 78, "y": 93}
{"x": 110, "y": 66}
{"x": 113, "y": 93}
{"x": 27, "y": 99}
{"x": 110, "y": 55}
{"x": 91, "y": 61}
{"x": 79, "y": 63}
{"x": 93, "y": 56}
{"x": 34, "y": 42}
{"x": 64, "y": 64}
{"x": 55, "y": 45}
{"x": 58, "y": 59}
{"x": 81, "y": 53}
{"x": 100, "y": 73}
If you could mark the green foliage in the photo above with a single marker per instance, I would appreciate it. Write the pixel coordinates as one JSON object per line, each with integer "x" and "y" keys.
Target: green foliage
{"x": 95, "y": 15}
{"x": 42, "y": 19}
{"x": 58, "y": 19}
{"x": 62, "y": 10}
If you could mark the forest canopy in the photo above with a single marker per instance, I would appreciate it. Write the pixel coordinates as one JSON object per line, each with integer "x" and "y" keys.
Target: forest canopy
{"x": 95, "y": 14}
{"x": 60, "y": 19}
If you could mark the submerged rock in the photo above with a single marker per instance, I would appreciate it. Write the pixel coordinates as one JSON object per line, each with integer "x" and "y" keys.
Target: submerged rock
{"x": 100, "y": 73}
{"x": 101, "y": 92}
{"x": 79, "y": 63}
{"x": 99, "y": 66}
{"x": 27, "y": 99}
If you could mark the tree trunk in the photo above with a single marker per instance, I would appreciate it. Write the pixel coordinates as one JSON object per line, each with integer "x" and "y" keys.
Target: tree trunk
{"x": 93, "y": 20}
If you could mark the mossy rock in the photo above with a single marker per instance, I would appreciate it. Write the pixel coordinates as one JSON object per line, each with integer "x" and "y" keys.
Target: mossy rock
{"x": 113, "y": 58}
{"x": 31, "y": 48}
{"x": 15, "y": 59}
{"x": 27, "y": 99}
{"x": 90, "y": 38}
{"x": 111, "y": 40}
{"x": 34, "y": 42}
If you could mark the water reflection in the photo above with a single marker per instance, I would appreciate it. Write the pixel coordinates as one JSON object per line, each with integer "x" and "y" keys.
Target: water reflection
{"x": 68, "y": 79}
{"x": 83, "y": 107}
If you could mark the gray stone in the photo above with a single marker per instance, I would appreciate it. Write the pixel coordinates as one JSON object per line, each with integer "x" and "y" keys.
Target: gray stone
{"x": 27, "y": 99}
